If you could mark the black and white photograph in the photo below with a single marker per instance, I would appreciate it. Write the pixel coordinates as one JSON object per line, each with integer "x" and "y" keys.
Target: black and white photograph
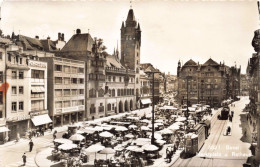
{"x": 129, "y": 83}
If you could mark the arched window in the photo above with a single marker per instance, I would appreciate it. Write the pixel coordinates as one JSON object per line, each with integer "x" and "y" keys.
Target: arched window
{"x": 92, "y": 93}
{"x": 101, "y": 93}
{"x": 108, "y": 107}
{"x": 122, "y": 92}
{"x": 118, "y": 92}
{"x": 113, "y": 92}
{"x": 110, "y": 92}
{"x": 125, "y": 93}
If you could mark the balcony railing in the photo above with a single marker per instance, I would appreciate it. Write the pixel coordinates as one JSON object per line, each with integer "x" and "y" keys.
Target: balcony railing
{"x": 119, "y": 70}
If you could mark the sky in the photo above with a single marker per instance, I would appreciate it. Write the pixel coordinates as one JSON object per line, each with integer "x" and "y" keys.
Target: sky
{"x": 171, "y": 30}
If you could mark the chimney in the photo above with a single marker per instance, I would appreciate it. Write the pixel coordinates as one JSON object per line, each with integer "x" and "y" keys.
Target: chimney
{"x": 62, "y": 37}
{"x": 78, "y": 31}
{"x": 59, "y": 36}
{"x": 37, "y": 37}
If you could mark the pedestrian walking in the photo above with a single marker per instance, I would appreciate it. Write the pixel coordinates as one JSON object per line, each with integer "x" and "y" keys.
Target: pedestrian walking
{"x": 31, "y": 145}
{"x": 24, "y": 159}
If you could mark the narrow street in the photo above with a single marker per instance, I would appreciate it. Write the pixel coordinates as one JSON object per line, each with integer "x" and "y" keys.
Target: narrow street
{"x": 220, "y": 150}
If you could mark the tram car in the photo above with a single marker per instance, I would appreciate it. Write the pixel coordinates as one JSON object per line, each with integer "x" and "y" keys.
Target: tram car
{"x": 195, "y": 140}
{"x": 224, "y": 113}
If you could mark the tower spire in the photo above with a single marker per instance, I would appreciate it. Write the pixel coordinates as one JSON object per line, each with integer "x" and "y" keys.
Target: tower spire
{"x": 130, "y": 4}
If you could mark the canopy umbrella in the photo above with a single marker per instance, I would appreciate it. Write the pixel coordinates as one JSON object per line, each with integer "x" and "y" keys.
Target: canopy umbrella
{"x": 145, "y": 121}
{"x": 159, "y": 121}
{"x": 80, "y": 132}
{"x": 63, "y": 141}
{"x": 76, "y": 137}
{"x": 129, "y": 136}
{"x": 107, "y": 150}
{"x": 156, "y": 136}
{"x": 178, "y": 123}
{"x": 150, "y": 147}
{"x": 144, "y": 128}
{"x": 131, "y": 148}
{"x": 174, "y": 116}
{"x": 67, "y": 146}
{"x": 106, "y": 134}
{"x": 132, "y": 126}
{"x": 181, "y": 119}
{"x": 94, "y": 149}
{"x": 88, "y": 130}
{"x": 138, "y": 149}
{"x": 174, "y": 128}
{"x": 158, "y": 124}
{"x": 151, "y": 125}
{"x": 98, "y": 128}
{"x": 141, "y": 141}
{"x": 166, "y": 132}
{"x": 160, "y": 141}
{"x": 119, "y": 148}
{"x": 121, "y": 128}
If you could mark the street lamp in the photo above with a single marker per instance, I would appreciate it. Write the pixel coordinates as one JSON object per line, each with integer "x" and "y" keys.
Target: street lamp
{"x": 187, "y": 111}
{"x": 152, "y": 72}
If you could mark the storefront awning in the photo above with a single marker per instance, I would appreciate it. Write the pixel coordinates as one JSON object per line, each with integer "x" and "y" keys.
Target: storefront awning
{"x": 41, "y": 119}
{"x": 4, "y": 129}
{"x": 37, "y": 89}
{"x": 146, "y": 101}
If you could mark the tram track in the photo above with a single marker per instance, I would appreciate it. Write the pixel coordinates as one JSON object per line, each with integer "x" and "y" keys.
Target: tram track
{"x": 214, "y": 143}
{"x": 219, "y": 126}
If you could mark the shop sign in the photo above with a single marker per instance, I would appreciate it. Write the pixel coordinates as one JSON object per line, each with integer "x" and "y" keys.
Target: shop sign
{"x": 37, "y": 64}
{"x": 34, "y": 113}
{"x": 19, "y": 118}
{"x": 71, "y": 109}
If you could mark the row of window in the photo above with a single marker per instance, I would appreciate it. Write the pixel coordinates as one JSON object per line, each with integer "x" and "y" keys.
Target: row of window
{"x": 17, "y": 106}
{"x": 65, "y": 104}
{"x": 96, "y": 76}
{"x": 68, "y": 92}
{"x": 110, "y": 107}
{"x": 112, "y": 92}
{"x": 69, "y": 69}
{"x": 66, "y": 80}
{"x": 93, "y": 108}
{"x": 20, "y": 76}
{"x": 97, "y": 63}
{"x": 118, "y": 79}
{"x": 20, "y": 90}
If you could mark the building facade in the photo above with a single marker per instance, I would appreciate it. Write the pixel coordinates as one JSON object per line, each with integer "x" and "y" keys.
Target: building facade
{"x": 66, "y": 90}
{"x": 201, "y": 83}
{"x": 244, "y": 85}
{"x": 26, "y": 100}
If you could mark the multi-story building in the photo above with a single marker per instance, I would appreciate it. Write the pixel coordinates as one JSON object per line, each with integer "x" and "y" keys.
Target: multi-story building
{"x": 145, "y": 89}
{"x": 4, "y": 87}
{"x": 112, "y": 83}
{"x": 201, "y": 83}
{"x": 171, "y": 83}
{"x": 253, "y": 71}
{"x": 26, "y": 100}
{"x": 66, "y": 90}
{"x": 244, "y": 85}
{"x": 158, "y": 82}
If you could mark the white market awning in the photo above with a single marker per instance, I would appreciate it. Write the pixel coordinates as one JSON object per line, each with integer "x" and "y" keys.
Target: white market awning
{"x": 41, "y": 119}
{"x": 146, "y": 101}
{"x": 38, "y": 89}
{"x": 4, "y": 129}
